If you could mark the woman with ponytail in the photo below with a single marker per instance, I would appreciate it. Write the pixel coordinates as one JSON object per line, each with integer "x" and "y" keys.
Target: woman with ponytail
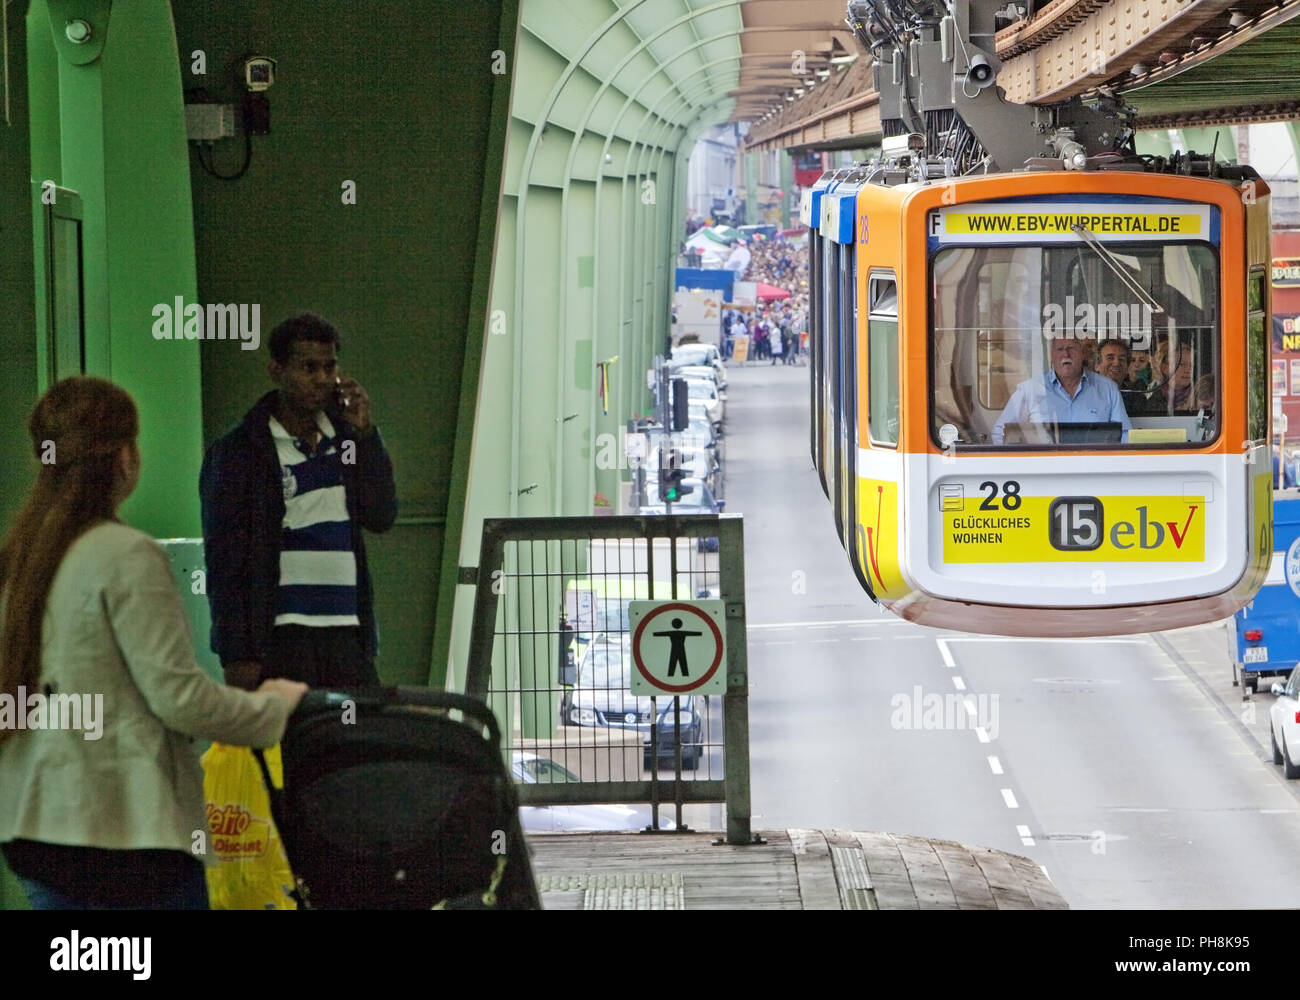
{"x": 101, "y": 699}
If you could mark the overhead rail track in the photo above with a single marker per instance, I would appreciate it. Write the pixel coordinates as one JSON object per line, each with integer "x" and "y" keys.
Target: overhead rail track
{"x": 1076, "y": 47}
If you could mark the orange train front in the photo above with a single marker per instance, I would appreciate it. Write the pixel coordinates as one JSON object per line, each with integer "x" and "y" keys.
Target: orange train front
{"x": 965, "y": 493}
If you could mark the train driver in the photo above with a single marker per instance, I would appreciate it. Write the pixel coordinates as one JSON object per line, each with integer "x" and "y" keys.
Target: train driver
{"x": 1068, "y": 394}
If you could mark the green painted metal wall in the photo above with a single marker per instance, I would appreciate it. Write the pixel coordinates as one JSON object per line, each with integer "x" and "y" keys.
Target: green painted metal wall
{"x": 129, "y": 169}
{"x": 18, "y": 319}
{"x": 403, "y": 103}
{"x": 409, "y": 104}
{"x": 607, "y": 105}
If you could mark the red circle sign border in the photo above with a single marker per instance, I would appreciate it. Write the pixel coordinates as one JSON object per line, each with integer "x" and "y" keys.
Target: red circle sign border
{"x": 676, "y": 688}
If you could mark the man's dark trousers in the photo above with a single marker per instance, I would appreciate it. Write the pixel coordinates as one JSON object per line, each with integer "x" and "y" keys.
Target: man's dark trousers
{"x": 321, "y": 657}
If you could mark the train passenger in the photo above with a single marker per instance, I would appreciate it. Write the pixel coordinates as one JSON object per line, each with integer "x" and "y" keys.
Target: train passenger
{"x": 1113, "y": 355}
{"x": 1112, "y": 361}
{"x": 1139, "y": 370}
{"x": 285, "y": 495}
{"x": 1174, "y": 369}
{"x": 101, "y": 792}
{"x": 1066, "y": 394}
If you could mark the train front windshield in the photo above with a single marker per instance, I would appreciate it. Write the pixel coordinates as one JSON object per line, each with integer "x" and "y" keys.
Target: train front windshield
{"x": 1078, "y": 344}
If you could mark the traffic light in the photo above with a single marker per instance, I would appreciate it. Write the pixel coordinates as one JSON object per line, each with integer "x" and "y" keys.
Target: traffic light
{"x": 681, "y": 405}
{"x": 671, "y": 475}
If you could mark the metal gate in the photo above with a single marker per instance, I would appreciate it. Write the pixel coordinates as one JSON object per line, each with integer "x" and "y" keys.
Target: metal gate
{"x": 550, "y": 652}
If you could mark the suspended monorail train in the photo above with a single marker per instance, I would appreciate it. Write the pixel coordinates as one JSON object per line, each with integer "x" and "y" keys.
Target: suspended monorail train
{"x": 954, "y": 326}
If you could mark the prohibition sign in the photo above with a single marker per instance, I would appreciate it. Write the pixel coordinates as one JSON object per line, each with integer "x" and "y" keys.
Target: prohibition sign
{"x": 682, "y": 617}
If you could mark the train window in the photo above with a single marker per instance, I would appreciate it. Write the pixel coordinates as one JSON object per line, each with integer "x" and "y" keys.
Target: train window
{"x": 882, "y": 360}
{"x": 1023, "y": 335}
{"x": 1257, "y": 346}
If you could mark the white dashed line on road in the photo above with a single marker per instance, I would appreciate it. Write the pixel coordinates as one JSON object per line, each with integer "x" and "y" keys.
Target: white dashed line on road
{"x": 959, "y": 684}
{"x": 1026, "y": 838}
{"x": 1009, "y": 797}
{"x": 982, "y": 733}
{"x": 945, "y": 652}
{"x": 995, "y": 765}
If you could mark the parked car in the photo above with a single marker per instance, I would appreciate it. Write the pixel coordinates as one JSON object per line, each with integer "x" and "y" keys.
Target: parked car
{"x": 603, "y": 697}
{"x": 706, "y": 391}
{"x": 531, "y": 769}
{"x": 699, "y": 371}
{"x": 699, "y": 354}
{"x": 1284, "y": 724}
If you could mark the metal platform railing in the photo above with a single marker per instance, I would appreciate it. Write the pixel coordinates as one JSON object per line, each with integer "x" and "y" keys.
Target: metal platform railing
{"x": 550, "y": 652}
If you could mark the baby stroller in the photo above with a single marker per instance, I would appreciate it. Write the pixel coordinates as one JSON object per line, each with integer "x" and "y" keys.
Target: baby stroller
{"x": 390, "y": 803}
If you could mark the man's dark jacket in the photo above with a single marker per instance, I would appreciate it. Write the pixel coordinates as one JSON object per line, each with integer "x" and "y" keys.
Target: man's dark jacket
{"x": 243, "y": 515}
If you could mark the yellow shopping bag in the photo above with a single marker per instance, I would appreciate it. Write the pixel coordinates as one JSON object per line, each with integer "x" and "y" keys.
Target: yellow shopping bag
{"x": 253, "y": 873}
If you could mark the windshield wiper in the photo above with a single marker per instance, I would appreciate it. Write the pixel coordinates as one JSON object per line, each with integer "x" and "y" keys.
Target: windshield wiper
{"x": 1117, "y": 266}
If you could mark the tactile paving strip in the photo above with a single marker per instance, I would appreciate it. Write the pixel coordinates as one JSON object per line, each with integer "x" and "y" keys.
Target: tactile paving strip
{"x": 855, "y": 883}
{"x": 632, "y": 891}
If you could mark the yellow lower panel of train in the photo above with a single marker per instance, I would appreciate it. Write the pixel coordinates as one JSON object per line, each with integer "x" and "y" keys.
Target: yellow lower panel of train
{"x": 1105, "y": 529}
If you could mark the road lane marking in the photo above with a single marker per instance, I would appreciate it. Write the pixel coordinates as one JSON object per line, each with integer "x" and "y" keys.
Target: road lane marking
{"x": 945, "y": 652}
{"x": 995, "y": 765}
{"x": 1026, "y": 838}
{"x": 959, "y": 684}
{"x": 982, "y": 733}
{"x": 1009, "y": 798}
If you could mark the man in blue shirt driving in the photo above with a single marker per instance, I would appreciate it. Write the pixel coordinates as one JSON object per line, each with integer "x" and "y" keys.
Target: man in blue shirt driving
{"x": 1068, "y": 394}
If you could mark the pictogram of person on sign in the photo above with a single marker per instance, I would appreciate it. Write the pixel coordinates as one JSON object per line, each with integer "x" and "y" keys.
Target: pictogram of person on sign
{"x": 676, "y": 655}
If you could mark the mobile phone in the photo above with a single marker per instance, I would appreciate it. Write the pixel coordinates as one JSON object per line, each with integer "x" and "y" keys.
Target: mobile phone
{"x": 339, "y": 396}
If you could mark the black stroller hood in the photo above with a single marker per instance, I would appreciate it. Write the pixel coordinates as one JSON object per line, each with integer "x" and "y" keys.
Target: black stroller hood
{"x": 390, "y": 803}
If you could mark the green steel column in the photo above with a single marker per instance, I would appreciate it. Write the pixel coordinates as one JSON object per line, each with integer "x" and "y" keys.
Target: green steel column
{"x": 131, "y": 169}
{"x": 462, "y": 521}
{"x": 1293, "y": 133}
{"x": 786, "y": 159}
{"x": 750, "y": 161}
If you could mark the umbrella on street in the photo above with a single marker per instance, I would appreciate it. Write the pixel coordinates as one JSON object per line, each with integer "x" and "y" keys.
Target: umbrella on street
{"x": 766, "y": 293}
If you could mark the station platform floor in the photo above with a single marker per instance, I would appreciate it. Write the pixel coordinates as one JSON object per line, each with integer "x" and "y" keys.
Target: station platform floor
{"x": 789, "y": 870}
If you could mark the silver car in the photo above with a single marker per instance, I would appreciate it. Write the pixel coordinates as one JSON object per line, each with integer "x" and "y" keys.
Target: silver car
{"x": 1284, "y": 724}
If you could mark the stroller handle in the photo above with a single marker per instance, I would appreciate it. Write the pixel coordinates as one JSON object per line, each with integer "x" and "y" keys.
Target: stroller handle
{"x": 328, "y": 699}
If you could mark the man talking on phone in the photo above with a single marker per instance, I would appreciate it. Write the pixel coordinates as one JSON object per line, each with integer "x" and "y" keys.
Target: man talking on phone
{"x": 285, "y": 495}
